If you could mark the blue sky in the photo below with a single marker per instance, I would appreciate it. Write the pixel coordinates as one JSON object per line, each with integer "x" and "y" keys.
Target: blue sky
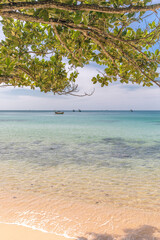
{"x": 113, "y": 97}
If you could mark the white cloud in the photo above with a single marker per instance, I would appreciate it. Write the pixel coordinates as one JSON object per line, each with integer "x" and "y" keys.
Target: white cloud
{"x": 113, "y": 97}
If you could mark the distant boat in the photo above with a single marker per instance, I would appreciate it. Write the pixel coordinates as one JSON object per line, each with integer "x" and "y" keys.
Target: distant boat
{"x": 131, "y": 110}
{"x": 79, "y": 110}
{"x": 59, "y": 112}
{"x": 73, "y": 110}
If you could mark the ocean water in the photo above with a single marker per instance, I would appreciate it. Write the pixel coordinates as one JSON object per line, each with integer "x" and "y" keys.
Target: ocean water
{"x": 81, "y": 171}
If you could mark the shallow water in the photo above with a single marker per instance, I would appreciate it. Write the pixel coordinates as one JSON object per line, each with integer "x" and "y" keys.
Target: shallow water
{"x": 72, "y": 173}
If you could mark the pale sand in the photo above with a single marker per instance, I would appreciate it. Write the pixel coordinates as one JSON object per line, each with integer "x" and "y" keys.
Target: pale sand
{"x": 85, "y": 222}
{"x": 14, "y": 232}
{"x": 78, "y": 219}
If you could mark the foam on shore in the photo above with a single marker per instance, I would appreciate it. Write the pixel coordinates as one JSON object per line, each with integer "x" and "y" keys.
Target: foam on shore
{"x": 17, "y": 232}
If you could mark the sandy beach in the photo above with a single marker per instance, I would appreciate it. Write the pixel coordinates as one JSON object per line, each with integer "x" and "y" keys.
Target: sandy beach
{"x": 87, "y": 222}
{"x": 15, "y": 232}
{"x": 74, "y": 220}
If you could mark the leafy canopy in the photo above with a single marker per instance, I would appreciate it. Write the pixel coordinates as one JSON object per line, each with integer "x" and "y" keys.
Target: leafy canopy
{"x": 39, "y": 35}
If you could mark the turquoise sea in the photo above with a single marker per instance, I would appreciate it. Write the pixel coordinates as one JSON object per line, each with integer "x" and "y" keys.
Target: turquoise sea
{"x": 97, "y": 158}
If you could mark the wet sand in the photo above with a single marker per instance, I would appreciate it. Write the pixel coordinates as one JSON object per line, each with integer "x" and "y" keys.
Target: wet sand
{"x": 81, "y": 221}
{"x": 15, "y": 232}
{"x": 76, "y": 219}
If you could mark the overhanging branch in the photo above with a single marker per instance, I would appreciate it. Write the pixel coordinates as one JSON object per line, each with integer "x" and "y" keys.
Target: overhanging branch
{"x": 74, "y": 8}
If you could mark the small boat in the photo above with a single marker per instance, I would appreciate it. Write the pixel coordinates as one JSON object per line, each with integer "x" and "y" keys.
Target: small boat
{"x": 79, "y": 110}
{"x": 73, "y": 110}
{"x": 131, "y": 110}
{"x": 59, "y": 112}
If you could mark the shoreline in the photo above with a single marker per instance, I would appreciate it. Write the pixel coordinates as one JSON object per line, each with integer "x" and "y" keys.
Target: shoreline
{"x": 13, "y": 231}
{"x": 9, "y": 231}
{"x": 64, "y": 220}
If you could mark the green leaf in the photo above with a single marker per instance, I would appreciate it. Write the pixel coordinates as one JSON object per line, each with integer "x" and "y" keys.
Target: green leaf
{"x": 8, "y": 61}
{"x": 78, "y": 17}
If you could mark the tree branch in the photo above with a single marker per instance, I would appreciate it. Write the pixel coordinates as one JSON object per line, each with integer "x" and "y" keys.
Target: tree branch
{"x": 6, "y": 78}
{"x": 132, "y": 62}
{"x": 26, "y": 71}
{"x": 64, "y": 44}
{"x": 74, "y": 8}
{"x": 74, "y": 88}
{"x": 70, "y": 24}
{"x": 91, "y": 32}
